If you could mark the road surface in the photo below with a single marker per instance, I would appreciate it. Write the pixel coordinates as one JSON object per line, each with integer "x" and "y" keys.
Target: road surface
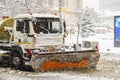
{"x": 108, "y": 68}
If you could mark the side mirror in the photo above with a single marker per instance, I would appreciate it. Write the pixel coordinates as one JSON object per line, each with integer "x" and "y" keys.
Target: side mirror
{"x": 34, "y": 20}
{"x": 64, "y": 24}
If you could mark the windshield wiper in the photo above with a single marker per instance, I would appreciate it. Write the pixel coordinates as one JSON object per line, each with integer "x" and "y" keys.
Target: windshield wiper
{"x": 44, "y": 29}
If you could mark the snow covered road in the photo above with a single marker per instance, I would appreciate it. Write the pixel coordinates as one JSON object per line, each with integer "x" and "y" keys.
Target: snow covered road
{"x": 108, "y": 68}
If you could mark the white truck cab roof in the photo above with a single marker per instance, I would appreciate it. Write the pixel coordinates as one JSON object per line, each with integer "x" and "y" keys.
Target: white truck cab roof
{"x": 36, "y": 15}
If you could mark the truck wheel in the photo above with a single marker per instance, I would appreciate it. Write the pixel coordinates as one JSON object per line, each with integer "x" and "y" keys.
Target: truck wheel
{"x": 16, "y": 61}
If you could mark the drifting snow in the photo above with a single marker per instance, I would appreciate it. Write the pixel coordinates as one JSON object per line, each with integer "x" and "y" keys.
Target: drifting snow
{"x": 106, "y": 42}
{"x": 108, "y": 68}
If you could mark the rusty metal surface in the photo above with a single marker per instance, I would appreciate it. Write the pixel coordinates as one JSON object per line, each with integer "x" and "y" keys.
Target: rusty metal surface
{"x": 66, "y": 52}
{"x": 38, "y": 60}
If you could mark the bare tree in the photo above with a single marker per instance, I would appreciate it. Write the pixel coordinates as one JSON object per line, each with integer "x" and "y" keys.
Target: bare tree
{"x": 7, "y": 7}
{"x": 14, "y": 7}
{"x": 42, "y": 6}
{"x": 35, "y": 6}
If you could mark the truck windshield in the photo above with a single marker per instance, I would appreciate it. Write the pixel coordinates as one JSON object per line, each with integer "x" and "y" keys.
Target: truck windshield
{"x": 47, "y": 25}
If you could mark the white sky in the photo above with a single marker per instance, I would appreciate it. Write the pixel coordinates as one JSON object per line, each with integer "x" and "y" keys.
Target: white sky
{"x": 91, "y": 3}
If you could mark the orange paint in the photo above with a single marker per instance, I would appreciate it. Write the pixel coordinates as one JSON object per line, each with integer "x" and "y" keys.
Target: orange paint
{"x": 60, "y": 65}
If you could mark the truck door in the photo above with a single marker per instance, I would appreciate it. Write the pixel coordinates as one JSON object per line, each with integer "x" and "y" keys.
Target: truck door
{"x": 21, "y": 33}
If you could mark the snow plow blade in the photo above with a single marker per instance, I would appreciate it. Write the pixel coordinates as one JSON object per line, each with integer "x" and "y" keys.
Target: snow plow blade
{"x": 64, "y": 60}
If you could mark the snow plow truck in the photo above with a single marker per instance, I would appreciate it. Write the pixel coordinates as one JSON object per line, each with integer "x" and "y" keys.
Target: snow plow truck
{"x": 37, "y": 40}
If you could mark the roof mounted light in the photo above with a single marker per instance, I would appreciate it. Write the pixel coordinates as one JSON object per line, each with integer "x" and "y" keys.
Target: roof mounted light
{"x": 5, "y": 17}
{"x": 30, "y": 13}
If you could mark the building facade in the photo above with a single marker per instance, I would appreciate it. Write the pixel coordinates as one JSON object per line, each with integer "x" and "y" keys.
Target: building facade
{"x": 112, "y": 5}
{"x": 73, "y": 4}
{"x": 71, "y": 10}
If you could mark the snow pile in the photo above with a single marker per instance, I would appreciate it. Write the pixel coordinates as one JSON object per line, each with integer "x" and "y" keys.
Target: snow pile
{"x": 65, "y": 76}
{"x": 106, "y": 42}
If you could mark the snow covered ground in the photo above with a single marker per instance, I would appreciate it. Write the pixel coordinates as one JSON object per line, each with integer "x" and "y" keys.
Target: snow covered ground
{"x": 108, "y": 68}
{"x": 106, "y": 42}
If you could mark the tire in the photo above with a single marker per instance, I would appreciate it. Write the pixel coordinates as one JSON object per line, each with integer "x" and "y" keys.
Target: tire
{"x": 16, "y": 60}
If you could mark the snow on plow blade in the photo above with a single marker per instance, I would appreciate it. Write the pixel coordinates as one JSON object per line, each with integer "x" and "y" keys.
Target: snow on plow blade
{"x": 64, "y": 60}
